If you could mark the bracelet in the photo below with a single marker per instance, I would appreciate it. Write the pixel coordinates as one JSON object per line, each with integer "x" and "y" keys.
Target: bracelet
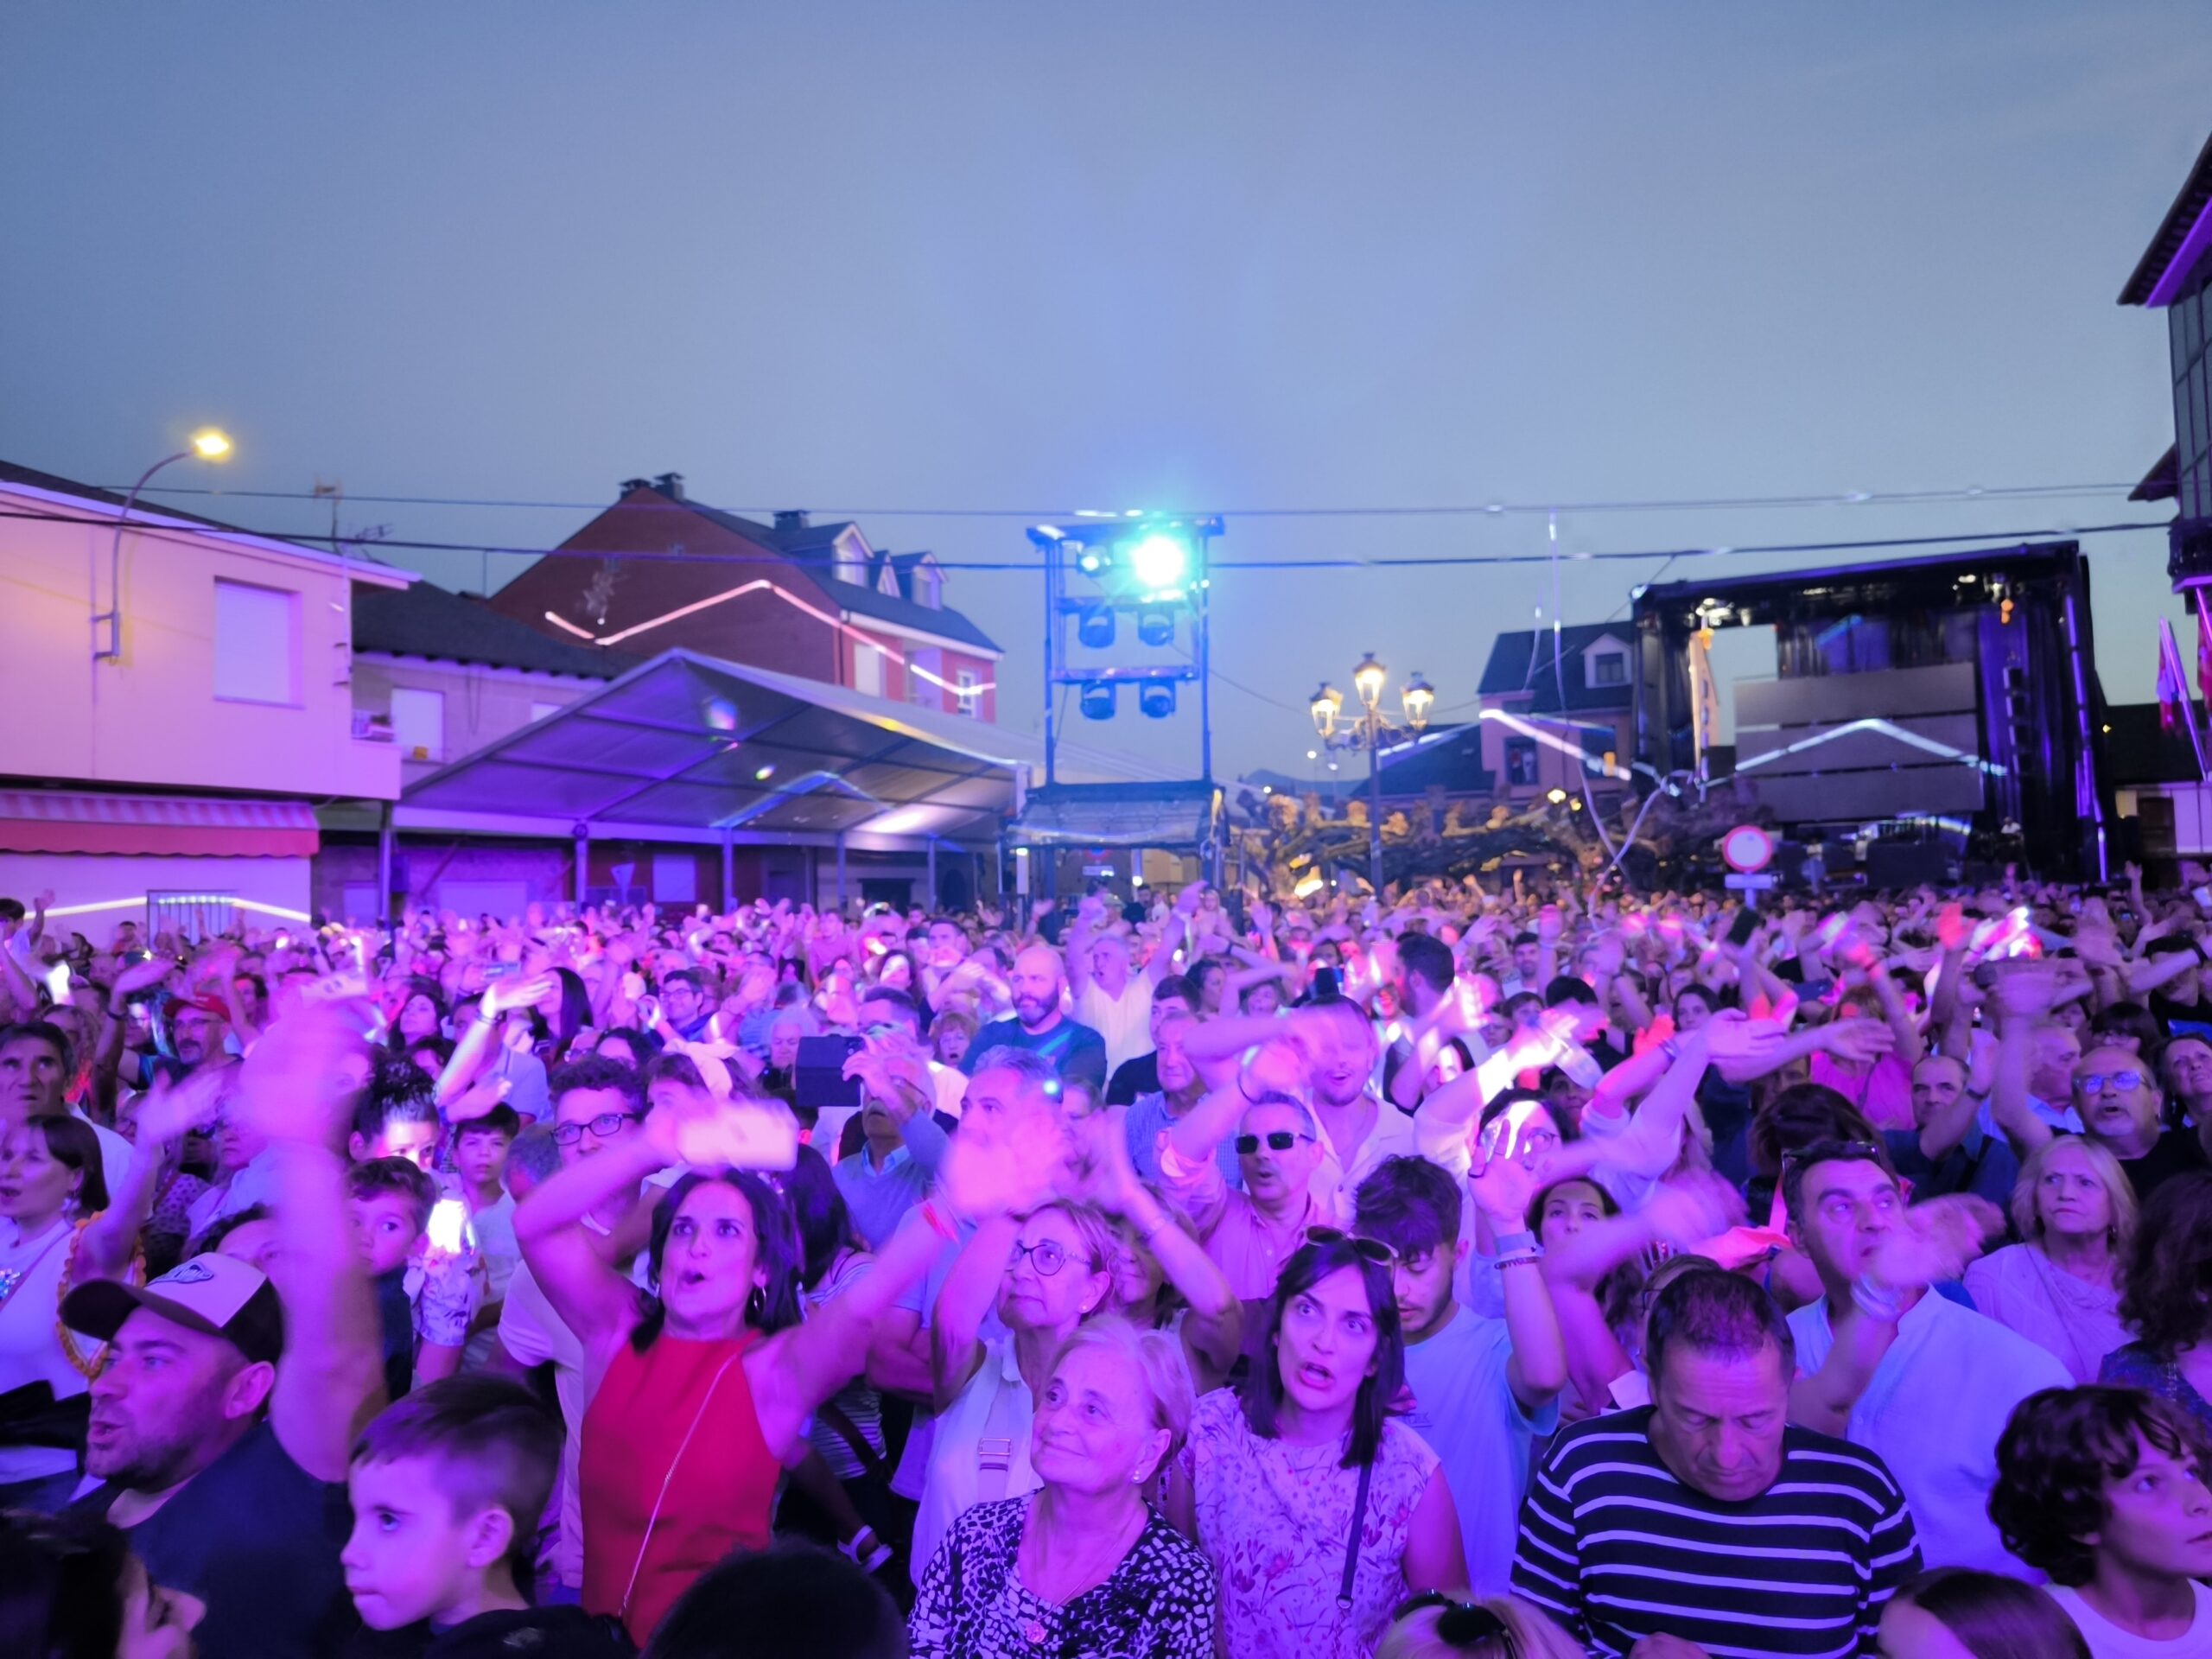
{"x": 1877, "y": 1301}
{"x": 1160, "y": 1221}
{"x": 1515, "y": 1243}
{"x": 938, "y": 1223}
{"x": 1530, "y": 1261}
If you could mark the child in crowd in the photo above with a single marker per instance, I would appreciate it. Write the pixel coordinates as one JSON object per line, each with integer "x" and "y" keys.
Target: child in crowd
{"x": 447, "y": 1486}
{"x": 423, "y": 1290}
{"x": 480, "y": 1161}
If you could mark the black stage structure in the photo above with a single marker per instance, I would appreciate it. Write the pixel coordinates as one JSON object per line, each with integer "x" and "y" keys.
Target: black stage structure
{"x": 1937, "y": 712}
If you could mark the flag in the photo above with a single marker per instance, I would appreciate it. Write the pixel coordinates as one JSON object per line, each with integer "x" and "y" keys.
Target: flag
{"x": 2203, "y": 648}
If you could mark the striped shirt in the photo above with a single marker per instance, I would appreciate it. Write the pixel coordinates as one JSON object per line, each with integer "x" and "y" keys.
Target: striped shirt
{"x": 1617, "y": 1549}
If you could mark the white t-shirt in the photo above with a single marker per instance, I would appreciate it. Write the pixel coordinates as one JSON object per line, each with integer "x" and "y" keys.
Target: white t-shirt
{"x": 30, "y": 1351}
{"x": 2108, "y": 1641}
{"x": 531, "y": 1331}
{"x": 1124, "y": 1022}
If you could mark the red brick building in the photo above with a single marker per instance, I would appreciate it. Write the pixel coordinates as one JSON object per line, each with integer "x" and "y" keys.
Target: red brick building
{"x": 814, "y": 601}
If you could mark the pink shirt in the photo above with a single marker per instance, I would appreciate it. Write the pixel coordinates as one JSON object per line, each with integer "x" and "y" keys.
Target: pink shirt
{"x": 1883, "y": 1092}
{"x": 1238, "y": 1239}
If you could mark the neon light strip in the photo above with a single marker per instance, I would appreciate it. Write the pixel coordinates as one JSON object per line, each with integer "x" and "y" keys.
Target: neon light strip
{"x": 141, "y": 899}
{"x": 563, "y": 622}
{"x": 1927, "y": 744}
{"x": 754, "y": 586}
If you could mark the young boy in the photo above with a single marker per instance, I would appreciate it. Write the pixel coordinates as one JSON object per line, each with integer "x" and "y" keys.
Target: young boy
{"x": 2103, "y": 1489}
{"x": 396, "y": 1125}
{"x": 480, "y": 1158}
{"x": 423, "y": 1292}
{"x": 447, "y": 1486}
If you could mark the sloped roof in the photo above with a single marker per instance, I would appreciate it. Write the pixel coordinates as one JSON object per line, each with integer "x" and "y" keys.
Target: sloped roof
{"x": 152, "y": 513}
{"x": 2174, "y": 231}
{"x": 426, "y": 621}
{"x": 686, "y": 741}
{"x": 812, "y": 544}
{"x": 2162, "y": 482}
{"x": 1511, "y": 670}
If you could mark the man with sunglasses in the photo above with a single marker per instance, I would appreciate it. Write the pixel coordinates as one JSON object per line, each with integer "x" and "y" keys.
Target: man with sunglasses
{"x": 1249, "y": 1233}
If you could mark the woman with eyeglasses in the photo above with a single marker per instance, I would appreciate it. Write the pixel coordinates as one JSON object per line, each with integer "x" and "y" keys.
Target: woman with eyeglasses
{"x": 2060, "y": 1288}
{"x": 1435, "y": 1626}
{"x": 1044, "y": 1273}
{"x": 1319, "y": 1510}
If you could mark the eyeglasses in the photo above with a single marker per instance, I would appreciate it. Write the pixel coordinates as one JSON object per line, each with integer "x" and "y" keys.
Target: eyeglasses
{"x": 1046, "y": 1256}
{"x": 1368, "y": 1249}
{"x": 607, "y": 1123}
{"x": 1277, "y": 1140}
{"x": 2096, "y": 1083}
{"x": 1461, "y": 1624}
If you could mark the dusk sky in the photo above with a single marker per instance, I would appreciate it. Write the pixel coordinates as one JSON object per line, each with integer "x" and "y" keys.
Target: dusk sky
{"x": 1226, "y": 256}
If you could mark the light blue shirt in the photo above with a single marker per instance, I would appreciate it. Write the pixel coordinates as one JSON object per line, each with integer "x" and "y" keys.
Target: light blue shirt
{"x": 1148, "y": 1119}
{"x": 878, "y": 1194}
{"x": 1939, "y": 1400}
{"x": 1464, "y": 1408}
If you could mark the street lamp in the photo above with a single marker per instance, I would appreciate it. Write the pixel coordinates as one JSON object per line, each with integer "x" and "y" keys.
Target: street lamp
{"x": 209, "y": 443}
{"x": 1369, "y": 730}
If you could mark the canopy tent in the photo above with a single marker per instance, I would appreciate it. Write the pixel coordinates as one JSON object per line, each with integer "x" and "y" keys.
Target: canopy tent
{"x": 688, "y": 748}
{"x": 1181, "y": 816}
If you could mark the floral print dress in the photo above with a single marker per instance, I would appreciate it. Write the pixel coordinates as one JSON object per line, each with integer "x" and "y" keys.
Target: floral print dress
{"x": 1158, "y": 1603}
{"x": 1275, "y": 1519}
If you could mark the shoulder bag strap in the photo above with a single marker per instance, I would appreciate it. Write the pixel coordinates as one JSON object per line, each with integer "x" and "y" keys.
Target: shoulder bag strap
{"x": 994, "y": 1445}
{"x": 847, "y": 1430}
{"x": 1351, "y": 1542}
{"x": 682, "y": 1445}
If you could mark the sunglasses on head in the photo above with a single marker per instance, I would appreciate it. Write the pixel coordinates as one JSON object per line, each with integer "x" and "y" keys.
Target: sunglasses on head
{"x": 1277, "y": 1140}
{"x": 1461, "y": 1624}
{"x": 1368, "y": 1249}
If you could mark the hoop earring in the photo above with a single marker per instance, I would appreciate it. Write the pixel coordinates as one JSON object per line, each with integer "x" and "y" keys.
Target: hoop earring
{"x": 756, "y": 1304}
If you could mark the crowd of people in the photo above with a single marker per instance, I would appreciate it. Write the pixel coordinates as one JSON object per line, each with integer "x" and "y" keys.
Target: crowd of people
{"x": 1513, "y": 1270}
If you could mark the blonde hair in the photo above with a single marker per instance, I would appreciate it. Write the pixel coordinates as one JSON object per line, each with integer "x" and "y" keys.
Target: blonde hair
{"x": 2103, "y": 1165}
{"x": 1530, "y": 1634}
{"x": 1158, "y": 1357}
{"x": 1092, "y": 1227}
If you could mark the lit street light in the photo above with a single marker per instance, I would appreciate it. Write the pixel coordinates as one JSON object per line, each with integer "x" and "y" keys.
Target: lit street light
{"x": 207, "y": 444}
{"x": 1368, "y": 730}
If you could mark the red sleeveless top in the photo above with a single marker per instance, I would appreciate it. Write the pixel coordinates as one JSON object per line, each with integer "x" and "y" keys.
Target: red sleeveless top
{"x": 719, "y": 1499}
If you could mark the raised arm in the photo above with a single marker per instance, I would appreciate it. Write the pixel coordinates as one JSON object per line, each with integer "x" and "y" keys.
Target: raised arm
{"x": 330, "y": 1381}
{"x": 475, "y": 1050}
{"x": 968, "y": 1292}
{"x": 1537, "y": 1371}
{"x": 2021, "y": 999}
{"x": 594, "y": 1300}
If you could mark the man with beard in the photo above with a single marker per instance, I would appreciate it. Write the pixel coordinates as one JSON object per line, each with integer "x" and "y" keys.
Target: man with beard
{"x": 221, "y": 1422}
{"x": 1037, "y": 1024}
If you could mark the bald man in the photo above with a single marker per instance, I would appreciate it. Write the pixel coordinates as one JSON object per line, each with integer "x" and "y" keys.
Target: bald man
{"x": 1040, "y": 1024}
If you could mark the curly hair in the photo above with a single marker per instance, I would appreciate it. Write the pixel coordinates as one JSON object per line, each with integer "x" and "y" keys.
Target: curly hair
{"x": 2055, "y": 1459}
{"x": 2167, "y": 1298}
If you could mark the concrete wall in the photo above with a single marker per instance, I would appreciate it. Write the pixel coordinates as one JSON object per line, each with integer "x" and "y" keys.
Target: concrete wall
{"x": 481, "y": 705}
{"x": 153, "y": 719}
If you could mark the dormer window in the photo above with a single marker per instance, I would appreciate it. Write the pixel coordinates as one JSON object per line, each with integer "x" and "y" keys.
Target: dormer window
{"x": 848, "y": 562}
{"x": 929, "y": 586}
{"x": 1608, "y": 668}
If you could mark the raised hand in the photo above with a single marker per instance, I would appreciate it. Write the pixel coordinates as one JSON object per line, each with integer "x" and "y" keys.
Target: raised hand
{"x": 1009, "y": 1173}
{"x": 509, "y": 995}
{"x": 1691, "y": 1208}
{"x": 1933, "y": 1241}
{"x": 696, "y": 1129}
{"x": 1861, "y": 1042}
{"x": 1501, "y": 1183}
{"x": 298, "y": 1084}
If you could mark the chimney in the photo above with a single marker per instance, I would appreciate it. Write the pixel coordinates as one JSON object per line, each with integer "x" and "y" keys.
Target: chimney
{"x": 671, "y": 485}
{"x": 794, "y": 520}
{"x": 630, "y": 484}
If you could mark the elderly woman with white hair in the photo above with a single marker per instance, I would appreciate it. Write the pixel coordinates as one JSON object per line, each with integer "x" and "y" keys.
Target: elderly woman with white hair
{"x": 1084, "y": 1567}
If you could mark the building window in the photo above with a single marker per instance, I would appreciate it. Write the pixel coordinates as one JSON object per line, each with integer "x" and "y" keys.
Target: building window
{"x": 1521, "y": 762}
{"x": 971, "y": 700}
{"x": 1609, "y": 668}
{"x": 928, "y": 587}
{"x": 257, "y": 643}
{"x": 868, "y": 668}
{"x": 418, "y": 723}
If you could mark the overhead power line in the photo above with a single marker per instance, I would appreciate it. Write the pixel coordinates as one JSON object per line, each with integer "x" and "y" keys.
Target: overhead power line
{"x": 1684, "y": 504}
{"x": 360, "y": 547}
